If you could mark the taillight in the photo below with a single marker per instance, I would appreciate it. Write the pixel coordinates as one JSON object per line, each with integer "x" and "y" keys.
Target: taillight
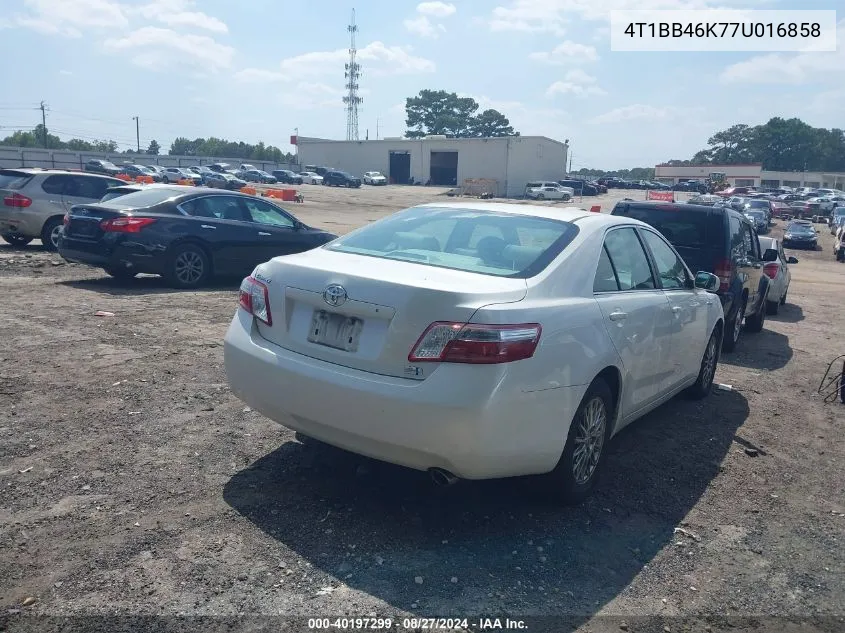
{"x": 724, "y": 271}
{"x": 17, "y": 200}
{"x": 771, "y": 270}
{"x": 125, "y": 225}
{"x": 449, "y": 342}
{"x": 255, "y": 299}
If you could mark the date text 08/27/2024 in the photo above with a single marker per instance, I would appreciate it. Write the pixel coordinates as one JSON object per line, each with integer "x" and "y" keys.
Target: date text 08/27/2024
{"x": 416, "y": 624}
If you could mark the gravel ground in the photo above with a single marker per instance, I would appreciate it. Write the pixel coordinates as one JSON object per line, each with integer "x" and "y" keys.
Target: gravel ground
{"x": 132, "y": 482}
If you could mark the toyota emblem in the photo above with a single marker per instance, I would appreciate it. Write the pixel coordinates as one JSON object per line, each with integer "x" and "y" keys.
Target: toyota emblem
{"x": 335, "y": 295}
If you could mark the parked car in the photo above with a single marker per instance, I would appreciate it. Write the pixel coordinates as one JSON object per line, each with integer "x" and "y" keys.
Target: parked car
{"x": 286, "y": 176}
{"x": 311, "y": 178}
{"x": 721, "y": 241}
{"x": 707, "y": 200}
{"x": 580, "y": 187}
{"x": 175, "y": 174}
{"x": 248, "y": 167}
{"x": 374, "y": 178}
{"x": 759, "y": 219}
{"x": 135, "y": 171}
{"x": 733, "y": 191}
{"x": 257, "y": 175}
{"x": 97, "y": 166}
{"x": 779, "y": 208}
{"x": 800, "y": 234}
{"x": 400, "y": 345}
{"x": 838, "y": 212}
{"x": 340, "y": 179}
{"x": 220, "y": 168}
{"x": 839, "y": 243}
{"x": 317, "y": 169}
{"x": 156, "y": 168}
{"x": 36, "y": 200}
{"x": 224, "y": 181}
{"x": 187, "y": 236}
{"x": 829, "y": 203}
{"x": 549, "y": 193}
{"x": 777, "y": 270}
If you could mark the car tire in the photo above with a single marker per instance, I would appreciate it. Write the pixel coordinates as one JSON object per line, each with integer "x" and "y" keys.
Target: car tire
{"x": 707, "y": 371}
{"x": 772, "y": 307}
{"x": 783, "y": 298}
{"x": 541, "y": 196}
{"x": 566, "y": 197}
{"x": 16, "y": 240}
{"x": 124, "y": 274}
{"x": 187, "y": 266}
{"x": 733, "y": 329}
{"x": 755, "y": 323}
{"x": 50, "y": 234}
{"x": 576, "y": 472}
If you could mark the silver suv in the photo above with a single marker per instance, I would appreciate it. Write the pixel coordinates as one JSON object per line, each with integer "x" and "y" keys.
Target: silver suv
{"x": 36, "y": 200}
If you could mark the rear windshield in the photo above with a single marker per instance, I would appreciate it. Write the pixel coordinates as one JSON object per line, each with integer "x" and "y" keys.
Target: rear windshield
{"x": 116, "y": 193}
{"x": 486, "y": 242}
{"x": 13, "y": 179}
{"x": 141, "y": 199}
{"x": 683, "y": 228}
{"x": 759, "y": 204}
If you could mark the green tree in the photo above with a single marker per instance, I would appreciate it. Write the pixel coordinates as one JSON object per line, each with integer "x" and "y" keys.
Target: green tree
{"x": 491, "y": 123}
{"x": 435, "y": 112}
{"x": 77, "y": 144}
{"x": 153, "y": 148}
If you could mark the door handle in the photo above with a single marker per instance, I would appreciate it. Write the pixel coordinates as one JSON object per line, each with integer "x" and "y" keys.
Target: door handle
{"x": 617, "y": 316}
{"x": 207, "y": 226}
{"x": 263, "y": 233}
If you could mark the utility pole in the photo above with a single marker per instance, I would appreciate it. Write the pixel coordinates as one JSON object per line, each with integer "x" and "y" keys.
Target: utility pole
{"x": 137, "y": 132}
{"x": 353, "y": 72}
{"x": 377, "y": 122}
{"x": 44, "y": 122}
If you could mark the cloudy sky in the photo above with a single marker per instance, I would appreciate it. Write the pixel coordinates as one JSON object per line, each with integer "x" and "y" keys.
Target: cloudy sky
{"x": 254, "y": 70}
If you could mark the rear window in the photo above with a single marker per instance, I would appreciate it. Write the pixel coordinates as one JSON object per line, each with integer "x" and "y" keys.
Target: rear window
{"x": 683, "y": 228}
{"x": 116, "y": 193}
{"x": 759, "y": 204}
{"x": 140, "y": 199}
{"x": 485, "y": 242}
{"x": 13, "y": 179}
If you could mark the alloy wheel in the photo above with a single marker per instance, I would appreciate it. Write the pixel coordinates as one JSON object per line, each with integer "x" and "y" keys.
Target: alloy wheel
{"x": 589, "y": 440}
{"x": 54, "y": 235}
{"x": 738, "y": 322}
{"x": 709, "y": 368}
{"x": 189, "y": 267}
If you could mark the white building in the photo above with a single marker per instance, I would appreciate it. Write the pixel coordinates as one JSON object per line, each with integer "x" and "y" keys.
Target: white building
{"x": 750, "y": 175}
{"x": 509, "y": 162}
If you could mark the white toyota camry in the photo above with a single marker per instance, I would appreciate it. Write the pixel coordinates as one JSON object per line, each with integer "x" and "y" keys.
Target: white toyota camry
{"x": 476, "y": 340}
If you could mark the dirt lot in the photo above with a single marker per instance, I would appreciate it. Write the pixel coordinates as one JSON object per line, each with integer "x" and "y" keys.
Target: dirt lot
{"x": 133, "y": 482}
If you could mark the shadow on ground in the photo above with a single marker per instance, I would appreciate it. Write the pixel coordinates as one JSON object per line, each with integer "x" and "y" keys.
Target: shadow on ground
{"x": 766, "y": 350}
{"x": 375, "y": 527}
{"x": 788, "y": 313}
{"x": 145, "y": 285}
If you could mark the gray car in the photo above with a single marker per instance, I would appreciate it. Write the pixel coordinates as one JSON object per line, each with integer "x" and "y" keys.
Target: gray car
{"x": 36, "y": 200}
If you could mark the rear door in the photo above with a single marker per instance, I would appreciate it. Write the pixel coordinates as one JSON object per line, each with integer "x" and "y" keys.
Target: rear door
{"x": 750, "y": 266}
{"x": 221, "y": 222}
{"x": 689, "y": 307}
{"x": 637, "y": 318}
{"x": 82, "y": 189}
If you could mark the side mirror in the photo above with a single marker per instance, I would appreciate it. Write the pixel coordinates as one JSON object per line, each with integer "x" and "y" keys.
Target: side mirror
{"x": 707, "y": 281}
{"x": 771, "y": 255}
{"x": 792, "y": 260}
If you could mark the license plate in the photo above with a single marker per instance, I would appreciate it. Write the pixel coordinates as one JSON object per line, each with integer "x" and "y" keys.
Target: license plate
{"x": 83, "y": 228}
{"x": 335, "y": 330}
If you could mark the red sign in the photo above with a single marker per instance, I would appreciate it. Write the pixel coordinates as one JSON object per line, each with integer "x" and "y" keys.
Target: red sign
{"x": 666, "y": 196}
{"x": 293, "y": 140}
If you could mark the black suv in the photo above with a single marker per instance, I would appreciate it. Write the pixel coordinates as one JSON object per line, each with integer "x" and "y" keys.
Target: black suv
{"x": 580, "y": 187}
{"x": 340, "y": 179}
{"x": 97, "y": 166}
{"x": 718, "y": 240}
{"x": 287, "y": 176}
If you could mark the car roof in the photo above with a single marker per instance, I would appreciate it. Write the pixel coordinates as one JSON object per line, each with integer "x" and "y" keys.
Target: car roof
{"x": 52, "y": 172}
{"x": 567, "y": 214}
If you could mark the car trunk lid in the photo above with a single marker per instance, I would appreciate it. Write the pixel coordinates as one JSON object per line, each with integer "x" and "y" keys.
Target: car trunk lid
{"x": 388, "y": 305}
{"x": 83, "y": 221}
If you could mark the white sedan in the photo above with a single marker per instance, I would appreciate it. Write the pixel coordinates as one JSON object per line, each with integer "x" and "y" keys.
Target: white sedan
{"x": 374, "y": 178}
{"x": 476, "y": 340}
{"x": 776, "y": 268}
{"x": 550, "y": 193}
{"x": 311, "y": 178}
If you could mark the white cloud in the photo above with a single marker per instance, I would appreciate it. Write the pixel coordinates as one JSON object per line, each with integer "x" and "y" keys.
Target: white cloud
{"x": 71, "y": 17}
{"x": 552, "y": 16}
{"x": 575, "y": 82}
{"x": 260, "y": 75}
{"x": 66, "y": 73}
{"x": 376, "y": 59}
{"x": 565, "y": 53}
{"x": 422, "y": 25}
{"x": 635, "y": 112}
{"x": 791, "y": 69}
{"x": 179, "y": 13}
{"x": 312, "y": 95}
{"x": 153, "y": 47}
{"x": 436, "y": 9}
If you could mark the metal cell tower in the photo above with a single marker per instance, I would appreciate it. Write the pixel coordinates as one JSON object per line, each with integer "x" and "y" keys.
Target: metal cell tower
{"x": 353, "y": 72}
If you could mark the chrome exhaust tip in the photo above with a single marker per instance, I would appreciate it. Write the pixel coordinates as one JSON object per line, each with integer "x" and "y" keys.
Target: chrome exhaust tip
{"x": 442, "y": 477}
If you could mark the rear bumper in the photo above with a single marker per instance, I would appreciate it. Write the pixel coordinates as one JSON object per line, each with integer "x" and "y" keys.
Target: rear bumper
{"x": 22, "y": 221}
{"x": 117, "y": 253}
{"x": 464, "y": 419}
